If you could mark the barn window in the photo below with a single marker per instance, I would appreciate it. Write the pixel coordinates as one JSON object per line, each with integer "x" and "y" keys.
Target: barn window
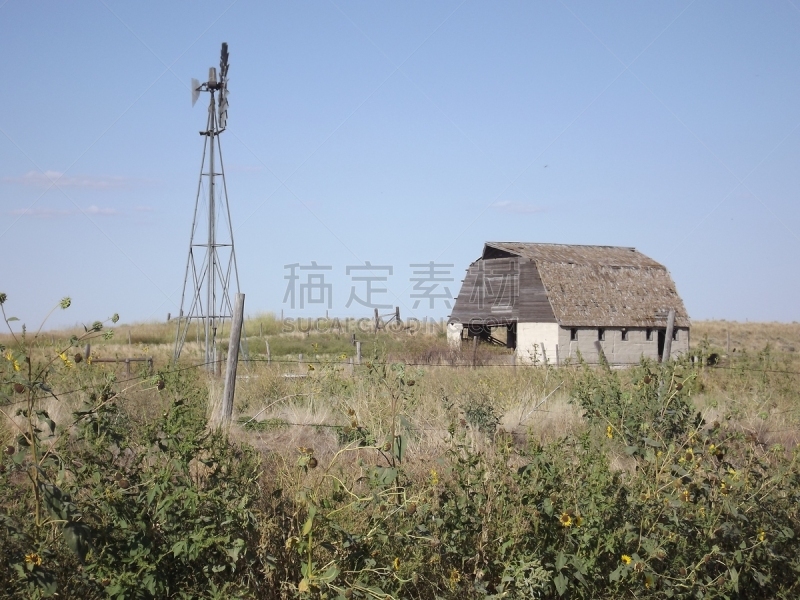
{"x": 601, "y": 334}
{"x": 573, "y": 334}
{"x": 675, "y": 334}
{"x": 649, "y": 334}
{"x": 624, "y": 335}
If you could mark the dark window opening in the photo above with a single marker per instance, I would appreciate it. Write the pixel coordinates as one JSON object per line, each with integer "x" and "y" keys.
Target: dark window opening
{"x": 601, "y": 334}
{"x": 624, "y": 335}
{"x": 675, "y": 335}
{"x": 662, "y": 337}
{"x": 573, "y": 334}
{"x": 648, "y": 334}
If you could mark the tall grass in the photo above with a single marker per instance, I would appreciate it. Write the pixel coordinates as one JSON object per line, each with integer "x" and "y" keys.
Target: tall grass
{"x": 511, "y": 481}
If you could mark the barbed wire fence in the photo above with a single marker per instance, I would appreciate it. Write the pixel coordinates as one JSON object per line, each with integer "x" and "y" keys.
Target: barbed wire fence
{"x": 251, "y": 422}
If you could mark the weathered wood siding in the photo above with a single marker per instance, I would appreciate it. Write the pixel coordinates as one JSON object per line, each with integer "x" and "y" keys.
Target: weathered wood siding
{"x": 534, "y": 306}
{"x": 502, "y": 290}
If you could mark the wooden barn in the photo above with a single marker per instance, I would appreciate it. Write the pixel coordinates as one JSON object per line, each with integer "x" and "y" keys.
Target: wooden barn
{"x": 551, "y": 301}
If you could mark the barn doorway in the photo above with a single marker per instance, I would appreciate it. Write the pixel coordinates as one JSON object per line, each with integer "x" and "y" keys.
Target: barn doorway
{"x": 662, "y": 338}
{"x": 511, "y": 335}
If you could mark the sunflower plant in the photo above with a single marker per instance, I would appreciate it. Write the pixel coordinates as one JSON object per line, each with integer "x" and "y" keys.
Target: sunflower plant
{"x": 26, "y": 372}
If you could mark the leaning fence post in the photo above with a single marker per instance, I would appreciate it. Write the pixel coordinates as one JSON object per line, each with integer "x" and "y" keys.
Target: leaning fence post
{"x": 233, "y": 360}
{"x": 668, "y": 335}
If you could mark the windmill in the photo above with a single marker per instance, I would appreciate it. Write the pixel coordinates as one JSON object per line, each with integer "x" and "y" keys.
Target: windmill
{"x": 211, "y": 269}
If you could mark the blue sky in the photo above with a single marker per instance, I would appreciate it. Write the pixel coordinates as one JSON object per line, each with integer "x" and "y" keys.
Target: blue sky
{"x": 399, "y": 133}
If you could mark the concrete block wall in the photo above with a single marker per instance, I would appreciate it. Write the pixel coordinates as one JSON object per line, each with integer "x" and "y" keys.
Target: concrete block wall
{"x": 617, "y": 350}
{"x": 550, "y": 343}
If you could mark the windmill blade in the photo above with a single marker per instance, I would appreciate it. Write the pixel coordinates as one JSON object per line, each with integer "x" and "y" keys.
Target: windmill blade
{"x": 222, "y": 107}
{"x": 195, "y": 90}
{"x": 223, "y": 62}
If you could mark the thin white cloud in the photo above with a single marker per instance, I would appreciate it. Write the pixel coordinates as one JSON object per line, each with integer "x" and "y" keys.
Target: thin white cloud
{"x": 41, "y": 213}
{"x": 103, "y": 212}
{"x": 517, "y": 208}
{"x": 56, "y": 213}
{"x": 39, "y": 179}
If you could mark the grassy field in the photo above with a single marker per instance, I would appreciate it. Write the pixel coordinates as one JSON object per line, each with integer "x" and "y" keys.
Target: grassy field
{"x": 413, "y": 475}
{"x": 332, "y": 337}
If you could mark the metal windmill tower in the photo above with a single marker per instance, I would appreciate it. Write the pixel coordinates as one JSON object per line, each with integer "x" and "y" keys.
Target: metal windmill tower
{"x": 211, "y": 269}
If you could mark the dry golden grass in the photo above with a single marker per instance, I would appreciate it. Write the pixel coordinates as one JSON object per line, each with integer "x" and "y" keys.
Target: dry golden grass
{"x": 525, "y": 402}
{"x": 783, "y": 337}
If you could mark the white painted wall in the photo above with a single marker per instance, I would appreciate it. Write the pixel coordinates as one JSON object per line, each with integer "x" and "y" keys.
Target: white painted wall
{"x": 454, "y": 335}
{"x": 539, "y": 340}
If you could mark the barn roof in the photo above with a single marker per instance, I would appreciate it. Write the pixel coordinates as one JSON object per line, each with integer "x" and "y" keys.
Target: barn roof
{"x": 594, "y": 286}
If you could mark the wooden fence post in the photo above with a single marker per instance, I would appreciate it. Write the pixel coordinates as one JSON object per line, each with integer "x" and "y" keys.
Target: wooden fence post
{"x": 358, "y": 352}
{"x": 474, "y": 351}
{"x": 668, "y": 335}
{"x": 233, "y": 359}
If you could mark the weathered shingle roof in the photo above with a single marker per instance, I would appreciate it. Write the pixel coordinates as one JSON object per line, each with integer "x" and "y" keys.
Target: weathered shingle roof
{"x": 590, "y": 286}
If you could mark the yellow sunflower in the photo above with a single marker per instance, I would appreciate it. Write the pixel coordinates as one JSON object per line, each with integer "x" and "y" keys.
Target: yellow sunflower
{"x": 33, "y": 558}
